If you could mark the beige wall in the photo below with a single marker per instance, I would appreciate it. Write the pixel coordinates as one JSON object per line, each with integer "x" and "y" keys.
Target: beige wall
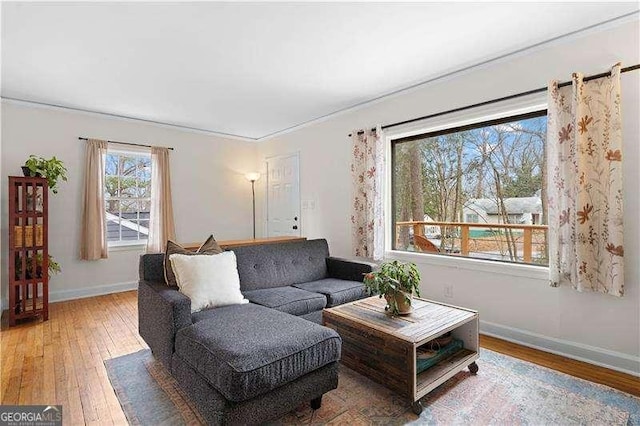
{"x": 210, "y": 193}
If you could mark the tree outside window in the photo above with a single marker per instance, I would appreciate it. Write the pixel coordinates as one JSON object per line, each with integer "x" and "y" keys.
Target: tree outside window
{"x": 490, "y": 173}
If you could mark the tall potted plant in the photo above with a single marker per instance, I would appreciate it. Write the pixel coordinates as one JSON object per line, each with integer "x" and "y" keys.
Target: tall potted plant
{"x": 397, "y": 282}
{"x": 53, "y": 170}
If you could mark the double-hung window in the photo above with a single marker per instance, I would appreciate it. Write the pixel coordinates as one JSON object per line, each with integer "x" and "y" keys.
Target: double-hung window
{"x": 474, "y": 191}
{"x": 127, "y": 196}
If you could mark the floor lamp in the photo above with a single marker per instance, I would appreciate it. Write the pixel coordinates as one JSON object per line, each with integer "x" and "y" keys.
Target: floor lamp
{"x": 253, "y": 177}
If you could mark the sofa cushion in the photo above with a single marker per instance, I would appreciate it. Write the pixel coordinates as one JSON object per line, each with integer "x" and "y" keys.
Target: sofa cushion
{"x": 246, "y": 350}
{"x": 291, "y": 300}
{"x": 277, "y": 265}
{"x": 209, "y": 247}
{"x": 336, "y": 291}
{"x": 209, "y": 281}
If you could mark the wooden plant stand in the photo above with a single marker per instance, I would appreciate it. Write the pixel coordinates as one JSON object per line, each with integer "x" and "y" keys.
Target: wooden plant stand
{"x": 383, "y": 348}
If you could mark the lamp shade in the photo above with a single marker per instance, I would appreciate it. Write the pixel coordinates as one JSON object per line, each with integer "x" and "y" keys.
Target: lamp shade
{"x": 254, "y": 176}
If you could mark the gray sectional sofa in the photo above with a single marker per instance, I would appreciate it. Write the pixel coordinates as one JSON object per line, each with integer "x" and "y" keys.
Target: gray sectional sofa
{"x": 253, "y": 362}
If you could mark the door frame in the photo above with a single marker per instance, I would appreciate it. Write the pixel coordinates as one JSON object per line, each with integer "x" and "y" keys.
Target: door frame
{"x": 266, "y": 192}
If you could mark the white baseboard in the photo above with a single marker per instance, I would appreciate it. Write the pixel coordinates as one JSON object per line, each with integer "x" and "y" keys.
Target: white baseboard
{"x": 62, "y": 295}
{"x": 593, "y": 355}
{"x": 81, "y": 293}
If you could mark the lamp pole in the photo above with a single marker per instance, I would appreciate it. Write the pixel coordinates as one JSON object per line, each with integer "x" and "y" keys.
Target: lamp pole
{"x": 253, "y": 177}
{"x": 253, "y": 198}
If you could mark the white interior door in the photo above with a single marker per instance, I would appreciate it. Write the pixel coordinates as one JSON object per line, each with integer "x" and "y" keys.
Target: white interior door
{"x": 283, "y": 196}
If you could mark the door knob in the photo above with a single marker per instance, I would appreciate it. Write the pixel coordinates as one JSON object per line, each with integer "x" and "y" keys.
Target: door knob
{"x": 295, "y": 226}
{"x": 295, "y": 218}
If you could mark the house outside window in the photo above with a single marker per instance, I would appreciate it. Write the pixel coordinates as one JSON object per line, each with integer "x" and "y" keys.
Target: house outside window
{"x": 489, "y": 174}
{"x": 471, "y": 218}
{"x": 127, "y": 197}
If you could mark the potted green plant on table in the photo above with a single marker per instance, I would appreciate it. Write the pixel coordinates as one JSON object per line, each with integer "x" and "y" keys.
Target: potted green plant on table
{"x": 397, "y": 282}
{"x": 53, "y": 170}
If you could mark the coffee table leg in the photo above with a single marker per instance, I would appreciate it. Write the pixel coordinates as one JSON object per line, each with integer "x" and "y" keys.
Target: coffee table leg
{"x": 416, "y": 407}
{"x": 473, "y": 368}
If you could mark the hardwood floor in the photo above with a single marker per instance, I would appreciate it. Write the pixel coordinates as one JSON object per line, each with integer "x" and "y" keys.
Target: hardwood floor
{"x": 61, "y": 361}
{"x": 593, "y": 373}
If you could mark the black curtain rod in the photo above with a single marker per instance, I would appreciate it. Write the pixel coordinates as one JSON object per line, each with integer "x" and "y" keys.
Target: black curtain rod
{"x": 123, "y": 143}
{"x": 505, "y": 98}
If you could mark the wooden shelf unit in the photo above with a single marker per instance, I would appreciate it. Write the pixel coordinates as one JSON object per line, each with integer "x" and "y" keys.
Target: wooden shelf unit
{"x": 28, "y": 248}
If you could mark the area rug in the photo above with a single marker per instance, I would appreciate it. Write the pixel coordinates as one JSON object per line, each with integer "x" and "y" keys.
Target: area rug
{"x": 505, "y": 391}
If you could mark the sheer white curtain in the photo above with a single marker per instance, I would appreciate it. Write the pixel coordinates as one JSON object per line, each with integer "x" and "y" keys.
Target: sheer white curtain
{"x": 584, "y": 163}
{"x": 93, "y": 235}
{"x": 367, "y": 171}
{"x": 161, "y": 225}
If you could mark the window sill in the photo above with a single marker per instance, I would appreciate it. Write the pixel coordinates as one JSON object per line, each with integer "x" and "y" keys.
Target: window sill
{"x": 511, "y": 269}
{"x": 128, "y": 247}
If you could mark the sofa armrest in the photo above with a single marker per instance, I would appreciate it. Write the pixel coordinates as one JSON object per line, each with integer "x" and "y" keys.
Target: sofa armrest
{"x": 345, "y": 269}
{"x": 162, "y": 311}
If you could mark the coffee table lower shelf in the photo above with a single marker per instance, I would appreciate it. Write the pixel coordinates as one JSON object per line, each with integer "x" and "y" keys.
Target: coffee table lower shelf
{"x": 434, "y": 376}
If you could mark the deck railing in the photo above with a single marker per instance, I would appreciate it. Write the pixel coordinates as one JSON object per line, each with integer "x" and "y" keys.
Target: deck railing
{"x": 533, "y": 236}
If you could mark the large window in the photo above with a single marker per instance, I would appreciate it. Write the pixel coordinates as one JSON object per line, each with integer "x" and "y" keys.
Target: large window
{"x": 127, "y": 197}
{"x": 475, "y": 191}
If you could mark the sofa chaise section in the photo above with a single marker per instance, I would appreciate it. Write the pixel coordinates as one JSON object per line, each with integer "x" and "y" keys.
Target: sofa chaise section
{"x": 243, "y": 359}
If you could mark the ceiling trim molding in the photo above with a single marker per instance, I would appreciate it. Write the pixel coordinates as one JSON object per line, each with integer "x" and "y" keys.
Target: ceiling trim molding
{"x": 601, "y": 26}
{"x": 46, "y": 105}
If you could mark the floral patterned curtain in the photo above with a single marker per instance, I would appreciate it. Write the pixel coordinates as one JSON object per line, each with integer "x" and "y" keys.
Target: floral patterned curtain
{"x": 584, "y": 163}
{"x": 367, "y": 168}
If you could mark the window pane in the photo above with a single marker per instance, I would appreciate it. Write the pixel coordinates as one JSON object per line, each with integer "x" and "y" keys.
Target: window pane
{"x": 130, "y": 230}
{"x": 111, "y": 186}
{"x": 144, "y": 189}
{"x": 145, "y": 208}
{"x": 113, "y": 207}
{"x": 144, "y": 168}
{"x": 144, "y": 229}
{"x": 113, "y": 220}
{"x": 111, "y": 164}
{"x": 128, "y": 187}
{"x": 129, "y": 209}
{"x": 127, "y": 165}
{"x": 488, "y": 174}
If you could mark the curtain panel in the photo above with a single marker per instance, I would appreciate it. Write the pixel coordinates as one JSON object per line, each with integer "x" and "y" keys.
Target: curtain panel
{"x": 584, "y": 163}
{"x": 367, "y": 169}
{"x": 93, "y": 235}
{"x": 161, "y": 224}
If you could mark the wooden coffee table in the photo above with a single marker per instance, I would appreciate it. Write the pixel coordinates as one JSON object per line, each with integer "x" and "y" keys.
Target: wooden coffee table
{"x": 383, "y": 348}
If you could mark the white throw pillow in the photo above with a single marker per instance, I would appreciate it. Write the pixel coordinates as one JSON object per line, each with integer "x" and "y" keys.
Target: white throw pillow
{"x": 208, "y": 280}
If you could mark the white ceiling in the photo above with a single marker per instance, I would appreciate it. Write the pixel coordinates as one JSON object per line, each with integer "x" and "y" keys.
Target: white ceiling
{"x": 255, "y": 69}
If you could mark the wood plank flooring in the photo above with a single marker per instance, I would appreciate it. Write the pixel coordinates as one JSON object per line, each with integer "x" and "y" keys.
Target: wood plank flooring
{"x": 593, "y": 373}
{"x": 61, "y": 361}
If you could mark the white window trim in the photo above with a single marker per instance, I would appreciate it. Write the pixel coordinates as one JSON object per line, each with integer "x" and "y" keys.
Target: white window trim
{"x": 127, "y": 245}
{"x": 514, "y": 107}
{"x": 138, "y": 245}
{"x": 128, "y": 150}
